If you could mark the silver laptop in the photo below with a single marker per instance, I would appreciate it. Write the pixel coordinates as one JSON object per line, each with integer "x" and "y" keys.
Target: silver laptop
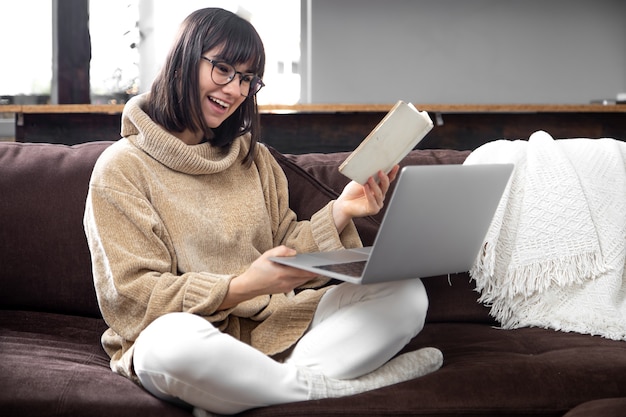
{"x": 435, "y": 224}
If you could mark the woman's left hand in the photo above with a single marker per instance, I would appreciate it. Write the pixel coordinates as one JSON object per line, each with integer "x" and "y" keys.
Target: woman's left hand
{"x": 358, "y": 200}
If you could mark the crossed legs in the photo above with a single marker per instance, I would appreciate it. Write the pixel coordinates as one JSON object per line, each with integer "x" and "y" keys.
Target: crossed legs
{"x": 355, "y": 332}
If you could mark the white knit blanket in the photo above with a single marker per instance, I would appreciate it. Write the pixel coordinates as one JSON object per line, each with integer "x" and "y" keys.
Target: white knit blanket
{"x": 555, "y": 254}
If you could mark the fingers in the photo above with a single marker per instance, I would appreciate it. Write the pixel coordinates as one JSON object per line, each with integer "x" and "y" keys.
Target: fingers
{"x": 387, "y": 179}
{"x": 377, "y": 191}
{"x": 281, "y": 250}
{"x": 267, "y": 277}
{"x": 364, "y": 200}
{"x": 393, "y": 174}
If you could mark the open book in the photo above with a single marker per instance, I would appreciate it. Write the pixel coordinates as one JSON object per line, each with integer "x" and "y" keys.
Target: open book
{"x": 390, "y": 141}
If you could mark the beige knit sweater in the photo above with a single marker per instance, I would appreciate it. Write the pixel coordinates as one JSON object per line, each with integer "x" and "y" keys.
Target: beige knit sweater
{"x": 169, "y": 225}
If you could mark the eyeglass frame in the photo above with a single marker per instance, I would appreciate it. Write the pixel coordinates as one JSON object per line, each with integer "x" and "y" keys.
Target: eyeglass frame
{"x": 258, "y": 79}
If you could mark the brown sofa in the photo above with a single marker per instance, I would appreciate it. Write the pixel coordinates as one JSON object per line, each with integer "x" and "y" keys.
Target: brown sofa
{"x": 52, "y": 364}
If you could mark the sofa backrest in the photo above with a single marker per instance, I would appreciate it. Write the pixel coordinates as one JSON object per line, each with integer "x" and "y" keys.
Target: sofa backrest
{"x": 44, "y": 259}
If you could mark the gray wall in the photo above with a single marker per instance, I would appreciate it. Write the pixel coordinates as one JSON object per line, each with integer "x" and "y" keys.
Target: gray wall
{"x": 463, "y": 51}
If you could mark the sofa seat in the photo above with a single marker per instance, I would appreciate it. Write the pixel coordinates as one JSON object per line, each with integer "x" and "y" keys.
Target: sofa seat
{"x": 57, "y": 367}
{"x": 607, "y": 407}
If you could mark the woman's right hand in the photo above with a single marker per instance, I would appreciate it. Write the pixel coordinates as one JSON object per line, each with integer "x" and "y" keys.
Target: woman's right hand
{"x": 265, "y": 277}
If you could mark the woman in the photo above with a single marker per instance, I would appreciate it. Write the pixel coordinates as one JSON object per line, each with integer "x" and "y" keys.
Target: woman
{"x": 182, "y": 215}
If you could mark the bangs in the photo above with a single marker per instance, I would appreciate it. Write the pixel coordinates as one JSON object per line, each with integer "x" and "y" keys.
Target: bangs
{"x": 242, "y": 45}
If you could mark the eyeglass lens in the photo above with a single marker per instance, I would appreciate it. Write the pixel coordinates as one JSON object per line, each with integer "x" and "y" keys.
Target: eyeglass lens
{"x": 224, "y": 73}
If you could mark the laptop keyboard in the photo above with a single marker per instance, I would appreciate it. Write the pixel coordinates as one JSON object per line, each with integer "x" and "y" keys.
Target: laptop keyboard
{"x": 353, "y": 269}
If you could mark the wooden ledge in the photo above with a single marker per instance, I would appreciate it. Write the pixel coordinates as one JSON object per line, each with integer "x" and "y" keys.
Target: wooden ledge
{"x": 448, "y": 108}
{"x": 341, "y": 108}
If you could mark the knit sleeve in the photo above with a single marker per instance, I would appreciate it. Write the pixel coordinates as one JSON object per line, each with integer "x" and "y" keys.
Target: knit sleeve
{"x": 316, "y": 234}
{"x": 326, "y": 235}
{"x": 134, "y": 262}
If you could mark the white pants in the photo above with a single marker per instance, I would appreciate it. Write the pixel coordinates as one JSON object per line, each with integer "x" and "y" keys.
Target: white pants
{"x": 356, "y": 329}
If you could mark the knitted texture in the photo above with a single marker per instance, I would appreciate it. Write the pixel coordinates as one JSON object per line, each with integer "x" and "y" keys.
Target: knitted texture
{"x": 554, "y": 255}
{"x": 402, "y": 368}
{"x": 169, "y": 225}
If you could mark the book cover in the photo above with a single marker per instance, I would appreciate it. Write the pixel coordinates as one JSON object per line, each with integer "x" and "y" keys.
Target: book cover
{"x": 402, "y": 128}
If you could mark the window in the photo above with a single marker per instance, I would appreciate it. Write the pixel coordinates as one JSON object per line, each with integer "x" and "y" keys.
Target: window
{"x": 129, "y": 41}
{"x": 114, "y": 33}
{"x": 27, "y": 51}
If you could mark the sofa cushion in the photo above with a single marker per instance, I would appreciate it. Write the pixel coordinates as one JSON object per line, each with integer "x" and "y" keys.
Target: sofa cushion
{"x": 606, "y": 407}
{"x": 43, "y": 250}
{"x": 490, "y": 372}
{"x": 53, "y": 365}
{"x": 453, "y": 299}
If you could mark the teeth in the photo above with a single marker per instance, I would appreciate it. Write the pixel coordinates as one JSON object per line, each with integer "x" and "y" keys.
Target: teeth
{"x": 218, "y": 101}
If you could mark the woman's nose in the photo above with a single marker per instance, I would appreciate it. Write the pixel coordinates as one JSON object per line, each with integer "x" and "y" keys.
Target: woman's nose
{"x": 233, "y": 88}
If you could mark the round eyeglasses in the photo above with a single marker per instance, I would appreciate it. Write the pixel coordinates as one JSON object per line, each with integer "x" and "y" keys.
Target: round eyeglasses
{"x": 223, "y": 73}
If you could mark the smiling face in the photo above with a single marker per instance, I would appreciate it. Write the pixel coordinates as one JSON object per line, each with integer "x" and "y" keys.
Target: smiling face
{"x": 184, "y": 98}
{"x": 218, "y": 101}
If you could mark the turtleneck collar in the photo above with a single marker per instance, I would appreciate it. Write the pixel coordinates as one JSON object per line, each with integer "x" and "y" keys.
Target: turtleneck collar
{"x": 166, "y": 148}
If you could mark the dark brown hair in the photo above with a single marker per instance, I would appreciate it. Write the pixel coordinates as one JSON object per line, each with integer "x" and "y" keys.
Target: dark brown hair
{"x": 174, "y": 101}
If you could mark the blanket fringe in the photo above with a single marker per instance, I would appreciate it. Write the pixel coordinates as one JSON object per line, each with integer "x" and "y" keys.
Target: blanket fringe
{"x": 562, "y": 271}
{"x": 525, "y": 280}
{"x": 519, "y": 313}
